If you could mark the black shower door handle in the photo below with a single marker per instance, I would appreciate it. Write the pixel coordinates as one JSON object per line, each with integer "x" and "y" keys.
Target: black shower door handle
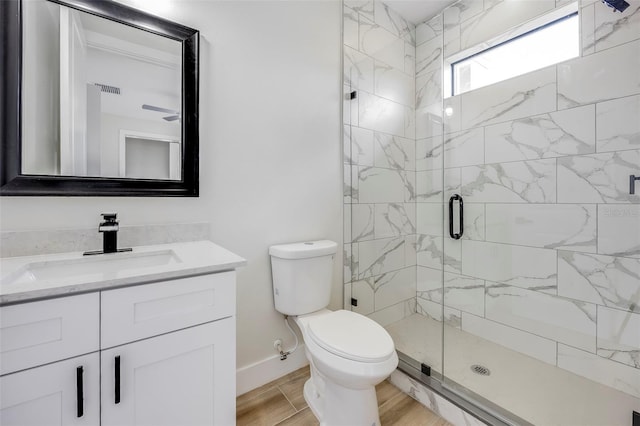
{"x": 455, "y": 197}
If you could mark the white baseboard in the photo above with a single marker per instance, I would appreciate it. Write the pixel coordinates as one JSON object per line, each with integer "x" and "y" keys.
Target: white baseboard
{"x": 262, "y": 372}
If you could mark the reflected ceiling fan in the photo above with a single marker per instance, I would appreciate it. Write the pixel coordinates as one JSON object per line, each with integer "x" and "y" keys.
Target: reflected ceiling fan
{"x": 175, "y": 115}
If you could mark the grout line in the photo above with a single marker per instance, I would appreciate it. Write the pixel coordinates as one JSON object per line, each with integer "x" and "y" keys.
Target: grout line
{"x": 285, "y": 397}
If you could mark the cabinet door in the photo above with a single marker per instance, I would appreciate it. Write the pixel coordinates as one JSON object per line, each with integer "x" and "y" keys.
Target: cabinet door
{"x": 53, "y": 394}
{"x": 182, "y": 378}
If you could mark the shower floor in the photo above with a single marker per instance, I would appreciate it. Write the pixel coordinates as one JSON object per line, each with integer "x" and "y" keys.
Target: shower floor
{"x": 533, "y": 390}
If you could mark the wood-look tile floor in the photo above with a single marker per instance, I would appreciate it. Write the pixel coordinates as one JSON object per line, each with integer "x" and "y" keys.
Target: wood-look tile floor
{"x": 282, "y": 403}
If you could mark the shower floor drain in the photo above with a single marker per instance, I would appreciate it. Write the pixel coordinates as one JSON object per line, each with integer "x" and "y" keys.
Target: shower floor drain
{"x": 481, "y": 370}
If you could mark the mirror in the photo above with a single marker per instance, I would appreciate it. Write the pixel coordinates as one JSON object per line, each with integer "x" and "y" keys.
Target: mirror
{"x": 102, "y": 99}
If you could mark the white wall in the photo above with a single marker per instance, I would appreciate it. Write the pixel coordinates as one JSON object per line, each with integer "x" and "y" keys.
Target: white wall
{"x": 270, "y": 153}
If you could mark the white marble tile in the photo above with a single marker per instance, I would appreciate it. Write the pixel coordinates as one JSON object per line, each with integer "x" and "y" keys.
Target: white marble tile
{"x": 553, "y": 226}
{"x": 346, "y": 297}
{"x": 394, "y": 287}
{"x": 462, "y": 11}
{"x": 523, "y": 96}
{"x": 429, "y": 89}
{"x": 381, "y": 44}
{"x": 587, "y": 29}
{"x": 619, "y": 336}
{"x": 377, "y": 185}
{"x": 395, "y": 312}
{"x": 428, "y": 121}
{"x": 350, "y": 29}
{"x": 346, "y": 144}
{"x": 452, "y": 114}
{"x": 618, "y": 124}
{"x": 380, "y": 256}
{"x": 350, "y": 183}
{"x": 429, "y": 284}
{"x": 603, "y": 280}
{"x": 362, "y": 222}
{"x": 614, "y": 29}
{"x": 428, "y": 30}
{"x": 358, "y": 70}
{"x": 556, "y": 134}
{"x": 563, "y": 320}
{"x": 363, "y": 291}
{"x": 597, "y": 178}
{"x": 465, "y": 294}
{"x": 429, "y": 56}
{"x": 430, "y": 185}
{"x": 434, "y": 310}
{"x": 499, "y": 18}
{"x": 409, "y": 180}
{"x": 346, "y": 223}
{"x": 429, "y": 251}
{"x": 602, "y": 76}
{"x": 394, "y": 219}
{"x": 429, "y": 219}
{"x": 347, "y": 259}
{"x": 394, "y": 152}
{"x": 410, "y": 253}
{"x": 429, "y": 153}
{"x": 394, "y": 84}
{"x": 464, "y": 148}
{"x": 452, "y": 255}
{"x": 409, "y": 59}
{"x": 389, "y": 19}
{"x": 346, "y": 106}
{"x": 512, "y": 338}
{"x": 363, "y": 7}
{"x": 381, "y": 114}
{"x": 619, "y": 230}
{"x": 526, "y": 267}
{"x": 361, "y": 146}
{"x": 524, "y": 181}
{"x": 618, "y": 376}
{"x": 474, "y": 222}
{"x": 434, "y": 402}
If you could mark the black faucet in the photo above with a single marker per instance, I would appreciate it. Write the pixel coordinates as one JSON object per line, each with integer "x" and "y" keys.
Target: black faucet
{"x": 109, "y": 227}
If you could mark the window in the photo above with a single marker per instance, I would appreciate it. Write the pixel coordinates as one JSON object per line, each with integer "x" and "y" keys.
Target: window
{"x": 552, "y": 40}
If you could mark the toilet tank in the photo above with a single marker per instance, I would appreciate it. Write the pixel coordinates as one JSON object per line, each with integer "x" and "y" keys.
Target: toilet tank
{"x": 302, "y": 276}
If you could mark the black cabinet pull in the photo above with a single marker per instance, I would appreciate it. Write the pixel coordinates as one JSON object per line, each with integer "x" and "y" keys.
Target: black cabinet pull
{"x": 117, "y": 377}
{"x": 79, "y": 392}
{"x": 455, "y": 197}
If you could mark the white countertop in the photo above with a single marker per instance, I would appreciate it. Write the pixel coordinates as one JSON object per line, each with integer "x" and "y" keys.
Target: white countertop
{"x": 100, "y": 272}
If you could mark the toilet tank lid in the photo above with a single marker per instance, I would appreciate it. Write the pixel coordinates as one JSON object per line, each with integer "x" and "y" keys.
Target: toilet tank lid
{"x": 304, "y": 250}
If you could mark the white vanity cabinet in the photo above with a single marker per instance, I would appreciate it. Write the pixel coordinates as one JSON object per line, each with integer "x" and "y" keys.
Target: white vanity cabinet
{"x": 168, "y": 353}
{"x": 160, "y": 353}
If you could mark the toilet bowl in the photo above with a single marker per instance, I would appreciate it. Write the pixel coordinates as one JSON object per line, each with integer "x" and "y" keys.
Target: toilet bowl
{"x": 349, "y": 355}
{"x": 348, "y": 352}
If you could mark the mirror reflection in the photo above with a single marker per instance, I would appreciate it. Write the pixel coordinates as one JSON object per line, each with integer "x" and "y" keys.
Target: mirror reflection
{"x": 106, "y": 97}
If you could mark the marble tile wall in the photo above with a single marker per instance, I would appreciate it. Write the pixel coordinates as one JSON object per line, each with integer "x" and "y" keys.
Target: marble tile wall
{"x": 379, "y": 161}
{"x": 549, "y": 264}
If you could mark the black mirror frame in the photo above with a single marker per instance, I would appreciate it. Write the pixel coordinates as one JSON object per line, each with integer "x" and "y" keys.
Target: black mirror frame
{"x": 13, "y": 182}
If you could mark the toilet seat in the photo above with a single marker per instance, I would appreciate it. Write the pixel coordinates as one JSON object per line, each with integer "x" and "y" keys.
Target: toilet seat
{"x": 351, "y": 336}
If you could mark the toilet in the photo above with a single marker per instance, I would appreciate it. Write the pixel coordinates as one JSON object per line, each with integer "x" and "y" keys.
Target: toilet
{"x": 348, "y": 352}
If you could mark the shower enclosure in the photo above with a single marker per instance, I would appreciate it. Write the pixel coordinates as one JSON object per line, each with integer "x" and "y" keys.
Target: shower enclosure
{"x": 494, "y": 229}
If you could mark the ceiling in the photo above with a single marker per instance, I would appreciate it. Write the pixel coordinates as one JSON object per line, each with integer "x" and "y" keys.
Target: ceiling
{"x": 417, "y": 11}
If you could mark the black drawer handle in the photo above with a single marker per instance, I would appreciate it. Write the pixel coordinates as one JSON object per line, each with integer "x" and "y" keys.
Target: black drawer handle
{"x": 117, "y": 379}
{"x": 455, "y": 236}
{"x": 79, "y": 391}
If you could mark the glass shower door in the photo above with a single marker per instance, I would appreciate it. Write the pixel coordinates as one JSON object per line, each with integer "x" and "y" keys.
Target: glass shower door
{"x": 541, "y": 250}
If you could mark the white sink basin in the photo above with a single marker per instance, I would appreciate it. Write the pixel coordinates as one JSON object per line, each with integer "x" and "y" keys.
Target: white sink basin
{"x": 101, "y": 266}
{"x": 61, "y": 274}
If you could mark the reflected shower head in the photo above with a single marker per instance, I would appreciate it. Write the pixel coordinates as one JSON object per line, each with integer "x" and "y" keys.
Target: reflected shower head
{"x": 619, "y": 5}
